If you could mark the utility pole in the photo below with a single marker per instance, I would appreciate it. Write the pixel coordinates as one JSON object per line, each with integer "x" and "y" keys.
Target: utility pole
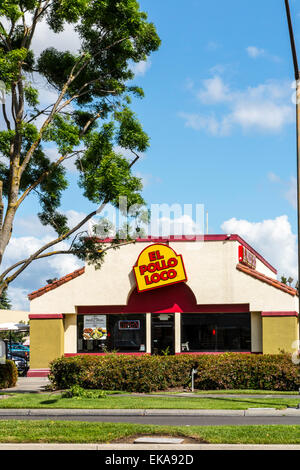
{"x": 297, "y": 79}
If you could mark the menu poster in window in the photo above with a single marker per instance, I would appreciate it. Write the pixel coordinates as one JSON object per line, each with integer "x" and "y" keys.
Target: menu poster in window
{"x": 94, "y": 327}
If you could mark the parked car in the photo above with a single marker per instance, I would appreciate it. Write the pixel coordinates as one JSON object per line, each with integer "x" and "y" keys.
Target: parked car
{"x": 19, "y": 350}
{"x": 21, "y": 363}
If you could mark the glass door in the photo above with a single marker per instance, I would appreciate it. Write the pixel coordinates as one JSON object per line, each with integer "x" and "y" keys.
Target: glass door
{"x": 162, "y": 333}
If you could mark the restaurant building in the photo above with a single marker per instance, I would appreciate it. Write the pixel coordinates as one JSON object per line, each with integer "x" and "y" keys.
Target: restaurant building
{"x": 194, "y": 295}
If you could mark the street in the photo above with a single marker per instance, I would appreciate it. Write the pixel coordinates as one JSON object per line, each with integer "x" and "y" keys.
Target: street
{"x": 166, "y": 420}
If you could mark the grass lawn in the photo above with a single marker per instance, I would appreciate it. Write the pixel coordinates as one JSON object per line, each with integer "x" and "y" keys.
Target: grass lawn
{"x": 82, "y": 432}
{"x": 116, "y": 401}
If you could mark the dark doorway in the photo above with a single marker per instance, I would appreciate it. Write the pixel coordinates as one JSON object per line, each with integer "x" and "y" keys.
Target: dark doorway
{"x": 162, "y": 333}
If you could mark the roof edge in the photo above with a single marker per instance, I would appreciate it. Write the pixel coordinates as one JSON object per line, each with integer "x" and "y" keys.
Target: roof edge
{"x": 55, "y": 284}
{"x": 268, "y": 280}
{"x": 199, "y": 238}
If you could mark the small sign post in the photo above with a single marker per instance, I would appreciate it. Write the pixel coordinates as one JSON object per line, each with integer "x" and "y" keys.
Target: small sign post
{"x": 194, "y": 371}
{"x": 3, "y": 352}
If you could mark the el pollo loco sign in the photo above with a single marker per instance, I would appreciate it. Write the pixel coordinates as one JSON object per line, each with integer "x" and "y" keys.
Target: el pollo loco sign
{"x": 158, "y": 266}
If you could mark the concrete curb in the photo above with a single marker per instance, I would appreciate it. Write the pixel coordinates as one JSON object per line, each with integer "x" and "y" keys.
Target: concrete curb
{"x": 155, "y": 412}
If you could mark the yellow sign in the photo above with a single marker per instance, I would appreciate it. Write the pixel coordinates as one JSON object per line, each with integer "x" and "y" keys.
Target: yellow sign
{"x": 158, "y": 266}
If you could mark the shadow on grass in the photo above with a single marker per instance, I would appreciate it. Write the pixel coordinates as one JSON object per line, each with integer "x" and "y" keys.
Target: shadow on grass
{"x": 49, "y": 402}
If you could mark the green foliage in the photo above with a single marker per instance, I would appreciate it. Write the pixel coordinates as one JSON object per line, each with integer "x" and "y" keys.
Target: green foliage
{"x": 65, "y": 10}
{"x": 8, "y": 374}
{"x": 31, "y": 96}
{"x": 50, "y": 189}
{"x": 64, "y": 132}
{"x": 153, "y": 373}
{"x": 75, "y": 391}
{"x": 5, "y": 303}
{"x": 113, "y": 35}
{"x": 10, "y": 9}
{"x": 9, "y": 64}
{"x": 130, "y": 134}
{"x": 166, "y": 352}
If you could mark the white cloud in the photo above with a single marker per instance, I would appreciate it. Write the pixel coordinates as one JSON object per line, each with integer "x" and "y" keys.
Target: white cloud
{"x": 67, "y": 40}
{"x": 18, "y": 298}
{"x": 182, "y": 225}
{"x": 255, "y": 52}
{"x": 273, "y": 177}
{"x": 210, "y": 124}
{"x": 272, "y": 238}
{"x": 214, "y": 91}
{"x": 32, "y": 235}
{"x": 147, "y": 178}
{"x": 44, "y": 37}
{"x": 35, "y": 275}
{"x": 264, "y": 116}
{"x": 26, "y": 226}
{"x": 140, "y": 68}
{"x": 52, "y": 153}
{"x": 266, "y": 108}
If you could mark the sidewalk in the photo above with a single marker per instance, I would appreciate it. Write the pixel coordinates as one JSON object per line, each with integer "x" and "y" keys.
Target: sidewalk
{"x": 38, "y": 384}
{"x": 253, "y": 412}
{"x": 28, "y": 385}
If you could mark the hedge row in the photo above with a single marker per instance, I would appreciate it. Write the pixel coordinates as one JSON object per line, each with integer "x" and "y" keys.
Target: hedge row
{"x": 8, "y": 374}
{"x": 152, "y": 373}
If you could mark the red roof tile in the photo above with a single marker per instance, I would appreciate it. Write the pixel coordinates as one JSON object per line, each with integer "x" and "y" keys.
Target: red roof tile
{"x": 56, "y": 284}
{"x": 266, "y": 279}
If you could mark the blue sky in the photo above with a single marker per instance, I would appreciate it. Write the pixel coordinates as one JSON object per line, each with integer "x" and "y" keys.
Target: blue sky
{"x": 220, "y": 115}
{"x": 228, "y": 174}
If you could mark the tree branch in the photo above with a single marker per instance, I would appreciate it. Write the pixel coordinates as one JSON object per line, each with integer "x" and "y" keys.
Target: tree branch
{"x": 39, "y": 113}
{"x": 46, "y": 123}
{"x": 48, "y": 245}
{"x": 5, "y": 117}
{"x": 58, "y": 162}
{"x": 1, "y": 205}
{"x": 54, "y": 242}
{"x": 61, "y": 252}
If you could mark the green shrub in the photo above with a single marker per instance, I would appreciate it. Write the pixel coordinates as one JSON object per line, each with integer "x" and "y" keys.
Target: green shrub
{"x": 145, "y": 374}
{"x": 8, "y": 374}
{"x": 75, "y": 391}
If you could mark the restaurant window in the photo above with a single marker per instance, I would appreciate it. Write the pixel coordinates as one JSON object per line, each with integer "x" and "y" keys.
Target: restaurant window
{"x": 215, "y": 332}
{"x": 106, "y": 333}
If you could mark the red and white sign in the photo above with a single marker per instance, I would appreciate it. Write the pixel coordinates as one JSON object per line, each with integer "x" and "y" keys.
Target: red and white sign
{"x": 246, "y": 257}
{"x": 129, "y": 325}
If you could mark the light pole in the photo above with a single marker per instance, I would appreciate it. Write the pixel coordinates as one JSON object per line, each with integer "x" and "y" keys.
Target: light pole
{"x": 297, "y": 79}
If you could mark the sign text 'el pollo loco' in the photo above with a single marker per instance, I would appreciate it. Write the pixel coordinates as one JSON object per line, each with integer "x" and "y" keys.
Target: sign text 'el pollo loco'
{"x": 158, "y": 266}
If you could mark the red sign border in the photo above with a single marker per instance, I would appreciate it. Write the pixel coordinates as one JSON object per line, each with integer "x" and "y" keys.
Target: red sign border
{"x": 242, "y": 258}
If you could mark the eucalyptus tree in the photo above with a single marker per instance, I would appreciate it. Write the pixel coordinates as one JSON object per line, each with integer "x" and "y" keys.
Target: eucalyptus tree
{"x": 89, "y": 119}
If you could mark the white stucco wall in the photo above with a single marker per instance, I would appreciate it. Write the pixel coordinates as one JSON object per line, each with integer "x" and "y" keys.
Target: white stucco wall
{"x": 211, "y": 271}
{"x": 15, "y": 316}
